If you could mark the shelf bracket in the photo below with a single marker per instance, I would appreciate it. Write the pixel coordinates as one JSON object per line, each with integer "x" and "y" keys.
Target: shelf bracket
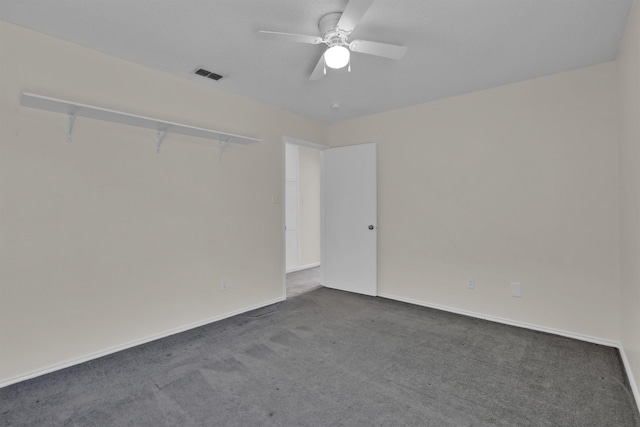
{"x": 159, "y": 138}
{"x": 222, "y": 145}
{"x": 71, "y": 119}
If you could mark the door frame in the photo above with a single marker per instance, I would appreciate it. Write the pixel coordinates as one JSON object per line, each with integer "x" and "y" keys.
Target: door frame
{"x": 285, "y": 200}
{"x": 321, "y": 148}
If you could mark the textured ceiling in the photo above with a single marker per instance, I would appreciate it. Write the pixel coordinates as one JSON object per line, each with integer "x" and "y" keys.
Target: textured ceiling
{"x": 455, "y": 46}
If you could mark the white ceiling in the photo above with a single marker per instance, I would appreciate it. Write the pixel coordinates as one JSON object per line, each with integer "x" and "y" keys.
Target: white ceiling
{"x": 455, "y": 46}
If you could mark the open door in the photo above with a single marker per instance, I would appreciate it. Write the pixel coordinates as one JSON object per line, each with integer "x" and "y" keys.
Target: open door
{"x": 350, "y": 218}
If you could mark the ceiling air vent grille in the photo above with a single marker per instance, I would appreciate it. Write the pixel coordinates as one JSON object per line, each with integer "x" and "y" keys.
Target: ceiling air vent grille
{"x": 205, "y": 73}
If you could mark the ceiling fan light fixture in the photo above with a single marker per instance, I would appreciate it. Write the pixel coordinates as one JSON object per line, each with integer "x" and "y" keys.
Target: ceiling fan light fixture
{"x": 336, "y": 57}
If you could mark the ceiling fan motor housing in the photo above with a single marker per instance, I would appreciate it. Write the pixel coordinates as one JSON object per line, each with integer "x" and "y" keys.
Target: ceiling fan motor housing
{"x": 331, "y": 34}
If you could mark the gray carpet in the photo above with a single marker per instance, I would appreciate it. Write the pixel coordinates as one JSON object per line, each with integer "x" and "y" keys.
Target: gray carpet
{"x": 330, "y": 358}
{"x": 303, "y": 281}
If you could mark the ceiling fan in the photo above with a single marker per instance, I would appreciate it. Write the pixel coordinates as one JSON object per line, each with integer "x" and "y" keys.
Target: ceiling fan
{"x": 335, "y": 29}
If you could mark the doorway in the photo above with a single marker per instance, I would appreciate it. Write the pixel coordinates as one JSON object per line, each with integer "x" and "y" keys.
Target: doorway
{"x": 345, "y": 209}
{"x": 303, "y": 217}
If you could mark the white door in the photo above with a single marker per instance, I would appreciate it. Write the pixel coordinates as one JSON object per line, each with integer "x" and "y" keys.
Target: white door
{"x": 350, "y": 208}
{"x": 291, "y": 212}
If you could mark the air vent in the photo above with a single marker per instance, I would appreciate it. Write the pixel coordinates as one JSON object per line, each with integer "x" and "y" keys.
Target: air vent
{"x": 208, "y": 74}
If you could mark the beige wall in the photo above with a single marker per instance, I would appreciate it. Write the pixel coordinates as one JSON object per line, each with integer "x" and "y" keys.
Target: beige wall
{"x": 104, "y": 242}
{"x": 629, "y": 126}
{"x": 309, "y": 172}
{"x": 517, "y": 183}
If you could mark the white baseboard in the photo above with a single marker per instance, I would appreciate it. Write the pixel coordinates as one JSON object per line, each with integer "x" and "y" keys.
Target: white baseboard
{"x": 632, "y": 381}
{"x": 303, "y": 267}
{"x": 131, "y": 344}
{"x": 525, "y": 325}
{"x": 581, "y": 337}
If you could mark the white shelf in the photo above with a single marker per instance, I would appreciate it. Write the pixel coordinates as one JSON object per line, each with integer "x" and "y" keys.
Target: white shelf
{"x": 162, "y": 127}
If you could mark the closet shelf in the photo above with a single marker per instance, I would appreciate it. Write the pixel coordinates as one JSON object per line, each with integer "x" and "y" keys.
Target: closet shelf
{"x": 162, "y": 127}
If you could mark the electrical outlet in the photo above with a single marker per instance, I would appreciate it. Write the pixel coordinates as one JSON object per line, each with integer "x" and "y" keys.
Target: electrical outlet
{"x": 471, "y": 283}
{"x": 224, "y": 285}
{"x": 516, "y": 289}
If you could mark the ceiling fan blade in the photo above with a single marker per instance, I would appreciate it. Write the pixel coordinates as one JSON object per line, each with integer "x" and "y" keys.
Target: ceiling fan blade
{"x": 352, "y": 13}
{"x": 385, "y": 50}
{"x": 288, "y": 37}
{"x": 318, "y": 71}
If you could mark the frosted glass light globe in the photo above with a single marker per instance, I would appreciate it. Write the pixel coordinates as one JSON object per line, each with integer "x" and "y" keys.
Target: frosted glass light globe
{"x": 336, "y": 57}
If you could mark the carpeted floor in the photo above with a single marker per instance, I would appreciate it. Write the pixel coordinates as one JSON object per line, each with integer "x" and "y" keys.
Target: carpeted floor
{"x": 303, "y": 281}
{"x": 330, "y": 358}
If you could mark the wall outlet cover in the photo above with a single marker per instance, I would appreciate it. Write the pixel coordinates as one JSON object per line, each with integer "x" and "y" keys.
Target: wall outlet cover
{"x": 471, "y": 283}
{"x": 516, "y": 289}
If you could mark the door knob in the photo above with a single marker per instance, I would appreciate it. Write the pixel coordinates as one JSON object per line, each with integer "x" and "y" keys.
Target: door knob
{"x": 371, "y": 227}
